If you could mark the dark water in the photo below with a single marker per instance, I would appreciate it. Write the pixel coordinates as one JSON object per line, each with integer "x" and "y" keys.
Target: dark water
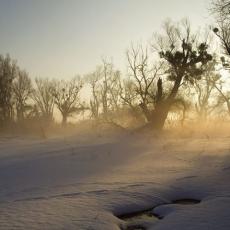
{"x": 134, "y": 220}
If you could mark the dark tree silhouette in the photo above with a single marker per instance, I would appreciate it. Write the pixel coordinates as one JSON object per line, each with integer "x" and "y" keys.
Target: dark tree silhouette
{"x": 129, "y": 95}
{"x": 205, "y": 88}
{"x": 144, "y": 75}
{"x": 182, "y": 62}
{"x": 67, "y": 98}
{"x": 221, "y": 7}
{"x": 224, "y": 95}
{"x": 93, "y": 80}
{"x": 221, "y": 11}
{"x": 22, "y": 88}
{"x": 43, "y": 98}
{"x": 185, "y": 58}
{"x": 105, "y": 86}
{"x": 8, "y": 71}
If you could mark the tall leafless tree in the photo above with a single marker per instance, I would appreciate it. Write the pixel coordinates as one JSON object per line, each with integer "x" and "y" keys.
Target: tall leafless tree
{"x": 206, "y": 93}
{"x": 43, "y": 98}
{"x": 105, "y": 86}
{"x": 22, "y": 88}
{"x": 93, "y": 80}
{"x": 224, "y": 94}
{"x": 221, "y": 8}
{"x": 128, "y": 94}
{"x": 8, "y": 72}
{"x": 67, "y": 97}
{"x": 221, "y": 11}
{"x": 144, "y": 76}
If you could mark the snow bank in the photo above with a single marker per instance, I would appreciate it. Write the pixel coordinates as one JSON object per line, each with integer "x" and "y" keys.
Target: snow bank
{"x": 69, "y": 184}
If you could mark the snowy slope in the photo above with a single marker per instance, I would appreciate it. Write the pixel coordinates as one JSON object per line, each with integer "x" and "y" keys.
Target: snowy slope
{"x": 67, "y": 183}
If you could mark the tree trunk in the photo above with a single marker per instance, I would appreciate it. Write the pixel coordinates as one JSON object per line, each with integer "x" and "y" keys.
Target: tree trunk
{"x": 163, "y": 105}
{"x": 20, "y": 113}
{"x": 159, "y": 116}
{"x": 64, "y": 119}
{"x": 156, "y": 118}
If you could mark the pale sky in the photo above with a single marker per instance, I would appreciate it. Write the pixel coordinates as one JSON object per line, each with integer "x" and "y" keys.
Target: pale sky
{"x": 62, "y": 38}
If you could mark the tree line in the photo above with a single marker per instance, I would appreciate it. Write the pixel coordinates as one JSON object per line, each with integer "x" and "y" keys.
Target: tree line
{"x": 177, "y": 72}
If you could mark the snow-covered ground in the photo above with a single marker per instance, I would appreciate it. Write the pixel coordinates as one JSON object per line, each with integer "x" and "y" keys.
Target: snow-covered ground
{"x": 76, "y": 183}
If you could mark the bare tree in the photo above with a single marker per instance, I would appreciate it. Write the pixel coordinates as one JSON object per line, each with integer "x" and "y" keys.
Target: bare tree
{"x": 94, "y": 80}
{"x": 22, "y": 88}
{"x": 185, "y": 58}
{"x": 105, "y": 86}
{"x": 221, "y": 8}
{"x": 205, "y": 89}
{"x": 128, "y": 94}
{"x": 144, "y": 81}
{"x": 67, "y": 98}
{"x": 8, "y": 72}
{"x": 221, "y": 11}
{"x": 109, "y": 88}
{"x": 43, "y": 98}
{"x": 181, "y": 106}
{"x": 182, "y": 62}
{"x": 223, "y": 33}
{"x": 224, "y": 95}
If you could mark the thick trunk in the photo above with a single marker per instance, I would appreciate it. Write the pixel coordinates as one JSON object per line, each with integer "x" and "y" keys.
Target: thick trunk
{"x": 159, "y": 116}
{"x": 64, "y": 119}
{"x": 20, "y": 114}
{"x": 163, "y": 106}
{"x": 6, "y": 115}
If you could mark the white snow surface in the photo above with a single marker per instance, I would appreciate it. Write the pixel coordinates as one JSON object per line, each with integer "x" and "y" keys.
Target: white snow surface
{"x": 71, "y": 183}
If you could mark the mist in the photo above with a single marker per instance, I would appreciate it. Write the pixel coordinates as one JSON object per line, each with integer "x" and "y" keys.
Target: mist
{"x": 138, "y": 138}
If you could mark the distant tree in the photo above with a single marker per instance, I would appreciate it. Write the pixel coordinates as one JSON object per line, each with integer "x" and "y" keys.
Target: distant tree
{"x": 224, "y": 94}
{"x": 221, "y": 7}
{"x": 129, "y": 95}
{"x": 205, "y": 88}
{"x": 8, "y": 72}
{"x": 43, "y": 98}
{"x": 109, "y": 88}
{"x": 181, "y": 107}
{"x": 105, "y": 85}
{"x": 93, "y": 80}
{"x": 221, "y": 11}
{"x": 22, "y": 88}
{"x": 67, "y": 98}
